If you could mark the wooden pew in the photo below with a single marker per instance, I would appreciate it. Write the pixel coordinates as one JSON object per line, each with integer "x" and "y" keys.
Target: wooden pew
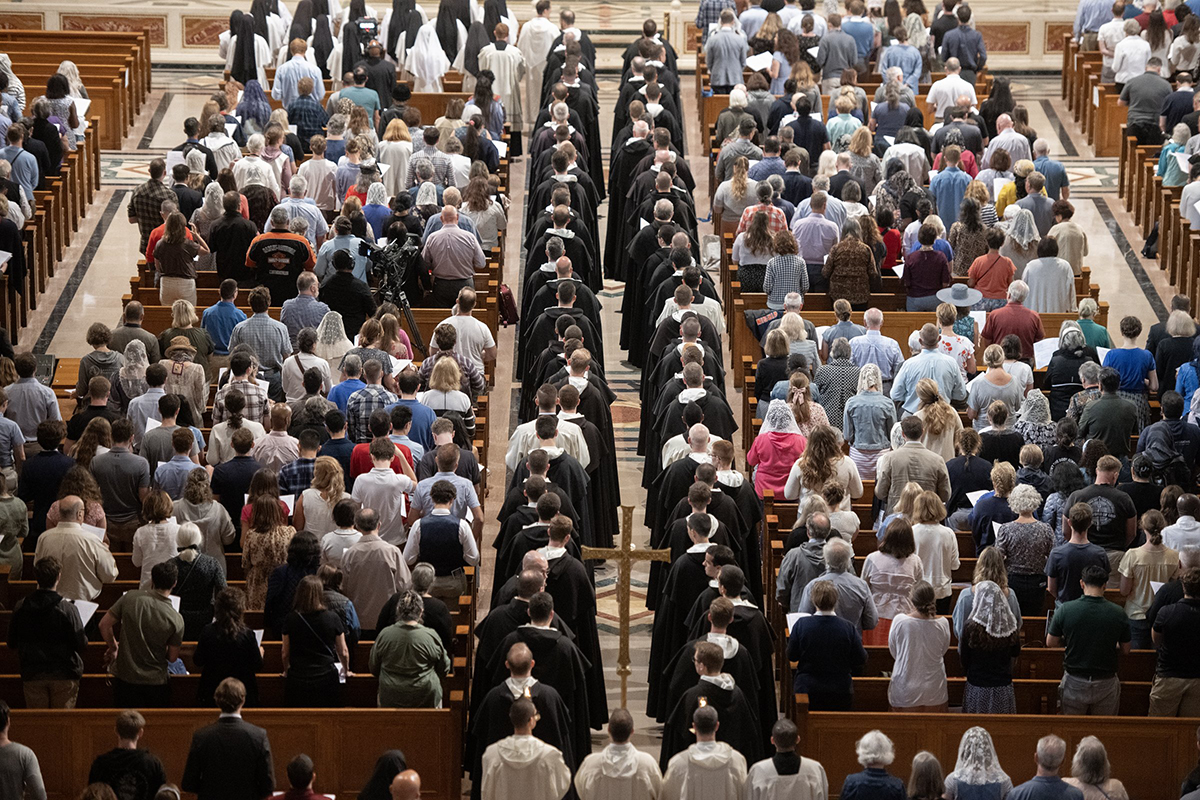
{"x": 344, "y": 743}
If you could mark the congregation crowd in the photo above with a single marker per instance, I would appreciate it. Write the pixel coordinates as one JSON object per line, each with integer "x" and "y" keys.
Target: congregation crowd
{"x": 309, "y": 465}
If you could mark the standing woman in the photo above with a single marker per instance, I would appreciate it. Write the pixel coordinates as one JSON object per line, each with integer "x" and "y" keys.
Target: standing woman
{"x": 918, "y": 643}
{"x": 1034, "y": 423}
{"x": 967, "y": 237}
{"x": 314, "y": 507}
{"x": 890, "y": 573}
{"x": 1000, "y": 101}
{"x": 926, "y": 781}
{"x": 926, "y": 272}
{"x": 62, "y": 104}
{"x": 977, "y": 774}
{"x": 316, "y": 660}
{"x": 1020, "y": 245}
{"x": 246, "y": 53}
{"x": 227, "y": 648}
{"x": 940, "y": 422}
{"x": 1090, "y": 769}
{"x": 937, "y": 547}
{"x": 778, "y": 444}
{"x": 203, "y": 218}
{"x": 868, "y": 421}
{"x": 1136, "y": 368}
{"x": 210, "y": 517}
{"x": 851, "y": 269}
{"x": 200, "y": 579}
{"x": 175, "y": 261}
{"x": 155, "y": 542}
{"x": 988, "y": 649}
{"x": 1141, "y": 566}
{"x": 1025, "y": 544}
{"x": 753, "y": 250}
{"x": 809, "y": 414}
{"x": 1158, "y": 36}
{"x": 264, "y": 545}
{"x": 823, "y": 463}
{"x": 131, "y": 378}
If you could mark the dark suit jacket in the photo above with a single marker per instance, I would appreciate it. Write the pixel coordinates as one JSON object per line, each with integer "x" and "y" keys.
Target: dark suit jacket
{"x": 229, "y": 760}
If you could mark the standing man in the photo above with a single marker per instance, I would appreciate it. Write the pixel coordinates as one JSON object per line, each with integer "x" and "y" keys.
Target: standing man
{"x": 1090, "y": 17}
{"x": 231, "y": 759}
{"x": 47, "y": 633}
{"x": 966, "y": 44}
{"x": 453, "y": 256}
{"x": 20, "y": 775}
{"x": 1047, "y": 784}
{"x": 268, "y": 338}
{"x": 725, "y": 54}
{"x": 124, "y": 480}
{"x": 1143, "y": 95}
{"x": 298, "y": 204}
{"x": 950, "y": 184}
{"x": 304, "y": 310}
{"x": 815, "y": 235}
{"x": 1114, "y": 517}
{"x": 944, "y": 93}
{"x": 506, "y": 772}
{"x": 151, "y": 637}
{"x": 221, "y": 318}
{"x": 836, "y": 53}
{"x": 1111, "y": 32}
{"x": 279, "y": 256}
{"x": 30, "y": 402}
{"x": 145, "y": 204}
{"x": 132, "y": 773}
{"x": 287, "y": 77}
{"x": 1057, "y": 183}
{"x": 534, "y": 42}
{"x": 475, "y": 341}
{"x": 507, "y": 63}
{"x": 721, "y": 768}
{"x": 1094, "y": 630}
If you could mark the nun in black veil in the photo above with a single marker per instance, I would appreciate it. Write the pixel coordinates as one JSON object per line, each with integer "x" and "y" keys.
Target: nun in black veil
{"x": 494, "y": 12}
{"x": 450, "y": 13}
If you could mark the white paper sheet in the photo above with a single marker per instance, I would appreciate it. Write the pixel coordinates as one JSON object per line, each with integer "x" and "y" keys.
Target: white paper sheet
{"x": 996, "y": 528}
{"x": 997, "y": 185}
{"x": 151, "y": 424}
{"x": 1096, "y": 96}
{"x": 399, "y": 365}
{"x": 82, "y": 104}
{"x": 898, "y": 268}
{"x": 1155, "y": 586}
{"x": 891, "y": 140}
{"x": 812, "y": 51}
{"x": 792, "y": 619}
{"x": 980, "y": 318}
{"x": 382, "y": 167}
{"x": 86, "y": 610}
{"x": 974, "y": 496}
{"x": 174, "y": 602}
{"x": 93, "y": 530}
{"x": 258, "y": 637}
{"x": 174, "y": 157}
{"x": 1183, "y": 159}
{"x": 230, "y": 127}
{"x": 294, "y": 129}
{"x": 760, "y": 61}
{"x": 501, "y": 148}
{"x": 1043, "y": 351}
{"x": 1101, "y": 352}
{"x": 5, "y": 257}
{"x": 288, "y": 500}
{"x": 821, "y": 331}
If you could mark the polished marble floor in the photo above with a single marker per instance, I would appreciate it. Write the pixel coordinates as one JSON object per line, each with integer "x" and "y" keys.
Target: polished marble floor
{"x": 94, "y": 276}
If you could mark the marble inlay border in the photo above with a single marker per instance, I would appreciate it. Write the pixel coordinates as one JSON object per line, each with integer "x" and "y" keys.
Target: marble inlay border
{"x": 1131, "y": 259}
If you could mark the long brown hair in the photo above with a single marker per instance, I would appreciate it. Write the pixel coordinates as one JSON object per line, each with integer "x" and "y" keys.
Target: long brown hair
{"x": 229, "y": 609}
{"x": 310, "y": 595}
{"x": 758, "y": 234}
{"x": 820, "y": 455}
{"x": 938, "y": 414}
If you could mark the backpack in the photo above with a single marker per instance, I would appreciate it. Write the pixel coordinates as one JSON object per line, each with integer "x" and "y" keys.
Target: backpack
{"x": 508, "y": 307}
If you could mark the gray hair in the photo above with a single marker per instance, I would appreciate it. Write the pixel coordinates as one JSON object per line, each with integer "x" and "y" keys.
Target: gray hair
{"x": 279, "y": 218}
{"x": 837, "y": 554}
{"x": 1072, "y": 339}
{"x": 1189, "y": 557}
{"x": 1042, "y": 147}
{"x": 1180, "y": 323}
{"x": 423, "y": 168}
{"x": 840, "y": 348}
{"x": 873, "y": 318}
{"x": 664, "y": 210}
{"x": 337, "y": 124}
{"x": 1089, "y": 372}
{"x": 422, "y": 577}
{"x": 410, "y": 607}
{"x": 352, "y": 365}
{"x": 874, "y": 748}
{"x": 560, "y": 111}
{"x": 1018, "y": 291}
{"x": 1090, "y": 765}
{"x": 1088, "y": 308}
{"x": 256, "y": 143}
{"x": 793, "y": 301}
{"x": 298, "y": 186}
{"x": 5, "y": 168}
{"x": 1051, "y": 750}
{"x": 1024, "y": 498}
{"x": 820, "y": 183}
{"x": 187, "y": 537}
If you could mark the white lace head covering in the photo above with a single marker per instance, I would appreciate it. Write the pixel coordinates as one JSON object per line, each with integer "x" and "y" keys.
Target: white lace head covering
{"x": 990, "y": 610}
{"x": 214, "y": 195}
{"x": 977, "y": 762}
{"x": 780, "y": 419}
{"x": 427, "y": 195}
{"x": 1035, "y": 409}
{"x": 870, "y": 377}
{"x": 377, "y": 194}
{"x": 1022, "y": 229}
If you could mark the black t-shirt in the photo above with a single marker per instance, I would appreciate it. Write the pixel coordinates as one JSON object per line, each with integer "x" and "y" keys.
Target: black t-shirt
{"x": 80, "y": 421}
{"x": 312, "y": 640}
{"x": 1179, "y": 649}
{"x": 220, "y": 656}
{"x": 1002, "y": 446}
{"x": 132, "y": 774}
{"x": 1066, "y": 565}
{"x": 1111, "y": 510}
{"x": 279, "y": 259}
{"x": 1145, "y": 496}
{"x": 1056, "y": 453}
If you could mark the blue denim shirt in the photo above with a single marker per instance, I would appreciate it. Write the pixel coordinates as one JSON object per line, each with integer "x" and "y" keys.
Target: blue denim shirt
{"x": 868, "y": 421}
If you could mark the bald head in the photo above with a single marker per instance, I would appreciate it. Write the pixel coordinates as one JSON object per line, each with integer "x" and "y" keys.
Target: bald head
{"x": 449, "y": 215}
{"x": 562, "y": 267}
{"x": 519, "y": 660}
{"x": 533, "y": 561}
{"x": 406, "y": 786}
{"x": 698, "y": 438}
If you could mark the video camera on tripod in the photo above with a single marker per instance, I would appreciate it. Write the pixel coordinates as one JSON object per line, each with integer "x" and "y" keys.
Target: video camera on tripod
{"x": 365, "y": 30}
{"x": 392, "y": 263}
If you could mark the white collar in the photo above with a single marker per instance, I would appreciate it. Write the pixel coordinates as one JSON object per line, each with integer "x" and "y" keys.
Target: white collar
{"x": 700, "y": 548}
{"x": 690, "y": 395}
{"x": 519, "y": 686}
{"x": 700, "y": 458}
{"x": 552, "y": 553}
{"x": 579, "y": 383}
{"x": 724, "y": 680}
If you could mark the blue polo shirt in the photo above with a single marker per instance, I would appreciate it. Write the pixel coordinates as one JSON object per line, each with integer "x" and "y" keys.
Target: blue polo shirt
{"x": 422, "y": 422}
{"x": 863, "y": 33}
{"x": 339, "y": 395}
{"x": 218, "y": 320}
{"x": 1056, "y": 176}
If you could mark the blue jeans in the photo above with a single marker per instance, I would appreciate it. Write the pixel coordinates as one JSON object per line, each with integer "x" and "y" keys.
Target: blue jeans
{"x": 816, "y": 281}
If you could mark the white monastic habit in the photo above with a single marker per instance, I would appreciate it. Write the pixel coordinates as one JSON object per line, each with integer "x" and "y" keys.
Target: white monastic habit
{"x": 227, "y": 46}
{"x": 387, "y": 23}
{"x": 764, "y": 783}
{"x": 524, "y": 440}
{"x": 508, "y": 65}
{"x": 524, "y": 768}
{"x": 426, "y": 60}
{"x": 705, "y": 771}
{"x": 618, "y": 772}
{"x": 536, "y": 37}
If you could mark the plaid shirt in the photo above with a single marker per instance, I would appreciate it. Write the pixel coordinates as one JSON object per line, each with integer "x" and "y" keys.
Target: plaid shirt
{"x": 145, "y": 207}
{"x": 307, "y": 115}
{"x": 297, "y": 476}
{"x": 443, "y": 169}
{"x": 269, "y": 338}
{"x": 257, "y": 404}
{"x": 709, "y": 13}
{"x": 362, "y": 404}
{"x": 776, "y": 220}
{"x": 473, "y": 382}
{"x": 785, "y": 274}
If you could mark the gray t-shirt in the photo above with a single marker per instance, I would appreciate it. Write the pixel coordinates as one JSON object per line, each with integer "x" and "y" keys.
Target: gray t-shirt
{"x": 121, "y": 476}
{"x": 1144, "y": 95}
{"x": 156, "y": 446}
{"x": 20, "y": 775}
{"x": 981, "y": 392}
